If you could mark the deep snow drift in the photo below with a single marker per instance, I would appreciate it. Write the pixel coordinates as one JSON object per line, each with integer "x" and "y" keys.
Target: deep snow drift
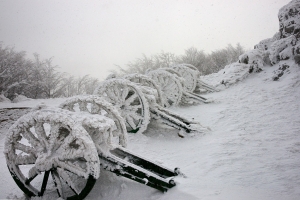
{"x": 252, "y": 152}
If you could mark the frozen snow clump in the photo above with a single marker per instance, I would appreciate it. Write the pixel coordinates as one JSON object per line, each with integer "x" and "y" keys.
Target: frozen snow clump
{"x": 254, "y": 58}
{"x": 234, "y": 73}
{"x": 230, "y": 75}
{"x": 266, "y": 43}
{"x": 20, "y": 98}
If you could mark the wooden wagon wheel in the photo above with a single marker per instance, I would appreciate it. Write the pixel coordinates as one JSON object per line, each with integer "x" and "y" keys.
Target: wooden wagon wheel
{"x": 99, "y": 106}
{"x": 148, "y": 82}
{"x": 200, "y": 84}
{"x": 170, "y": 85}
{"x": 130, "y": 101}
{"x": 48, "y": 142}
{"x": 189, "y": 75}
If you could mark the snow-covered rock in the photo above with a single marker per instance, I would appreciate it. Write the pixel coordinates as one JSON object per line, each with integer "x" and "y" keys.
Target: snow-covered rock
{"x": 289, "y": 19}
{"x": 231, "y": 74}
{"x": 254, "y": 58}
{"x": 282, "y": 49}
{"x": 3, "y": 99}
{"x": 265, "y": 44}
{"x": 20, "y": 98}
{"x": 283, "y": 46}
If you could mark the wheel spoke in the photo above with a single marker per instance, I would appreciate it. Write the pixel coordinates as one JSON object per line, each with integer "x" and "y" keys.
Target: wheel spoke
{"x": 54, "y": 132}
{"x": 28, "y": 135}
{"x": 41, "y": 133}
{"x": 72, "y": 168}
{"x": 135, "y": 107}
{"x": 136, "y": 117}
{"x": 39, "y": 130}
{"x": 83, "y": 106}
{"x": 70, "y": 107}
{"x": 130, "y": 121}
{"x": 24, "y": 159}
{"x": 24, "y": 148}
{"x": 65, "y": 176}
{"x": 124, "y": 93}
{"x": 161, "y": 80}
{"x": 170, "y": 87}
{"x": 32, "y": 173}
{"x": 95, "y": 109}
{"x": 117, "y": 91}
{"x": 110, "y": 93}
{"x": 44, "y": 184}
{"x": 71, "y": 155}
{"x": 57, "y": 183}
{"x": 129, "y": 100}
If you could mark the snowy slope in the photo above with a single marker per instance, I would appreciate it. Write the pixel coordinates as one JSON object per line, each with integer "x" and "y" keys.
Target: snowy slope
{"x": 252, "y": 152}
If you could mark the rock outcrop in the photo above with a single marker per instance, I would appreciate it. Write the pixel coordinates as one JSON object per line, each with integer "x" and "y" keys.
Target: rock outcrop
{"x": 284, "y": 45}
{"x": 289, "y": 19}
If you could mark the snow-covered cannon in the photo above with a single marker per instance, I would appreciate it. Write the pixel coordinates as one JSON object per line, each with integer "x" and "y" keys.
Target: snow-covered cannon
{"x": 170, "y": 86}
{"x": 130, "y": 101}
{"x": 136, "y": 100}
{"x": 58, "y": 152}
{"x": 187, "y": 71}
{"x": 175, "y": 87}
{"x": 158, "y": 110}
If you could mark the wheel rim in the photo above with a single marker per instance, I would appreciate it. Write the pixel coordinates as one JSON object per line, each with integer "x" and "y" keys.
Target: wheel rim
{"x": 98, "y": 106}
{"x": 130, "y": 102}
{"x": 48, "y": 153}
{"x": 170, "y": 86}
{"x": 191, "y": 67}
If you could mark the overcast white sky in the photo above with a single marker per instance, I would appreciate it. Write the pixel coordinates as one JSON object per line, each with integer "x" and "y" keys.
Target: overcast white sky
{"x": 89, "y": 37}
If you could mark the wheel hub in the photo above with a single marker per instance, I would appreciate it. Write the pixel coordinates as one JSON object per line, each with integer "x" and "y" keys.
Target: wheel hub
{"x": 44, "y": 162}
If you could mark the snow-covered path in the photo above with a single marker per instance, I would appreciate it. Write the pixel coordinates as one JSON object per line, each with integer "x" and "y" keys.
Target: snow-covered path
{"x": 252, "y": 152}
{"x": 256, "y": 133}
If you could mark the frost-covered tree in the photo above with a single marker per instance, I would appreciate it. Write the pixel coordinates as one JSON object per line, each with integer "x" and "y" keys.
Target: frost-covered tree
{"x": 218, "y": 59}
{"x": 164, "y": 59}
{"x": 70, "y": 86}
{"x": 234, "y": 52}
{"x": 91, "y": 85}
{"x": 194, "y": 57}
{"x": 206, "y": 63}
{"x": 35, "y": 78}
{"x": 53, "y": 84}
{"x": 80, "y": 85}
{"x": 13, "y": 71}
{"x": 141, "y": 65}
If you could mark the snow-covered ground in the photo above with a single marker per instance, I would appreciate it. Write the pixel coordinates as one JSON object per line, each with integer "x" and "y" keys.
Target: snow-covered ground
{"x": 252, "y": 151}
